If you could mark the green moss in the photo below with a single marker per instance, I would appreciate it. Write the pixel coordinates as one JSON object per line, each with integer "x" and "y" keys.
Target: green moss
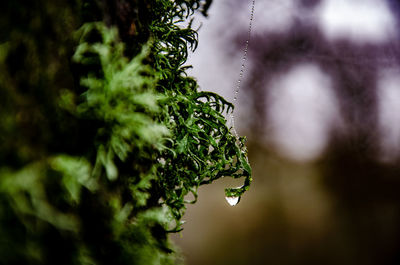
{"x": 102, "y": 132}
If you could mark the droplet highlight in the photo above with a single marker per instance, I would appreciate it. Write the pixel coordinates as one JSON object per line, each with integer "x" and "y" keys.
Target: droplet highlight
{"x": 232, "y": 200}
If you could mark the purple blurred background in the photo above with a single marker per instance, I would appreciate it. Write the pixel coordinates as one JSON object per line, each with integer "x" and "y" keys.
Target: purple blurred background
{"x": 320, "y": 106}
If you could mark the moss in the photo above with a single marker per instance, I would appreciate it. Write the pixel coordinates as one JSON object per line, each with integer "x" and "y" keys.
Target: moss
{"x": 102, "y": 133}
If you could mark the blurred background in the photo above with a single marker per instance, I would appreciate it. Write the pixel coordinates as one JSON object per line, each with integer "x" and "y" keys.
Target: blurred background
{"x": 320, "y": 106}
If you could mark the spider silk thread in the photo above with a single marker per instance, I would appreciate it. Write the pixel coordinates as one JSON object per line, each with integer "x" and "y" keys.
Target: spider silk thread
{"x": 242, "y": 67}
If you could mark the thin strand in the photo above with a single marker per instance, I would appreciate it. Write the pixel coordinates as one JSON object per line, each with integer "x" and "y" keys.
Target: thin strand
{"x": 242, "y": 68}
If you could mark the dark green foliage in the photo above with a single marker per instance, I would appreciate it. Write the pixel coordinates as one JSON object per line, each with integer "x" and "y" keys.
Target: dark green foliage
{"x": 202, "y": 148}
{"x": 102, "y": 134}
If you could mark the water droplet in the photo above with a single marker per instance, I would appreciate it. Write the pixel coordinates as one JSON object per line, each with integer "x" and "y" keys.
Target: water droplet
{"x": 232, "y": 200}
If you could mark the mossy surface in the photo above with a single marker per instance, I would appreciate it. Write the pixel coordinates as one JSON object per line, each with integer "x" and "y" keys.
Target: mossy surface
{"x": 102, "y": 133}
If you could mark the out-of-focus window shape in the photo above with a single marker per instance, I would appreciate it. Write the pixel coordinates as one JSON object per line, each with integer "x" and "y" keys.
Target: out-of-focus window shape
{"x": 320, "y": 106}
{"x": 275, "y": 16}
{"x": 388, "y": 93}
{"x": 359, "y": 21}
{"x": 302, "y": 109}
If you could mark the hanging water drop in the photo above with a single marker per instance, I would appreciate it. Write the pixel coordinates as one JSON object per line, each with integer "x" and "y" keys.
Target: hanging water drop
{"x": 232, "y": 200}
